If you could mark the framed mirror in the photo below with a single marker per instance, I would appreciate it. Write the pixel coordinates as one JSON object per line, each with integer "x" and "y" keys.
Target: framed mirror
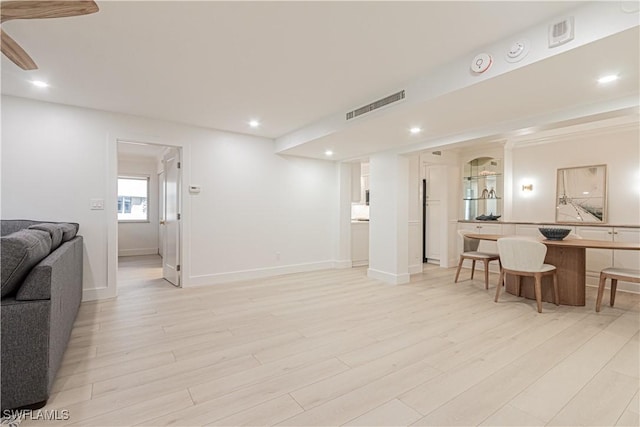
{"x": 581, "y": 194}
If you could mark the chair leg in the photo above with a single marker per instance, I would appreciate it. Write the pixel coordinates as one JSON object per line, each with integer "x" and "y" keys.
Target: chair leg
{"x": 500, "y": 279}
{"x": 603, "y": 280}
{"x": 614, "y": 286}
{"x": 556, "y": 291}
{"x": 500, "y": 265}
{"x": 486, "y": 274}
{"x": 538, "y": 291}
{"x": 458, "y": 270}
{"x": 473, "y": 268}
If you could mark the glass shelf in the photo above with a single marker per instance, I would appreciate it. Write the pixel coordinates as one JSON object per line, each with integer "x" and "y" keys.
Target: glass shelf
{"x": 478, "y": 177}
{"x": 482, "y": 176}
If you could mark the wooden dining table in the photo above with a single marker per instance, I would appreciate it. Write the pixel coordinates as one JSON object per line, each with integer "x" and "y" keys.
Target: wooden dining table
{"x": 569, "y": 258}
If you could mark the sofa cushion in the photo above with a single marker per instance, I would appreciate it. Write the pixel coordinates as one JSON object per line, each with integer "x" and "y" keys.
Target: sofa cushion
{"x": 20, "y": 252}
{"x": 69, "y": 231}
{"x": 56, "y": 232}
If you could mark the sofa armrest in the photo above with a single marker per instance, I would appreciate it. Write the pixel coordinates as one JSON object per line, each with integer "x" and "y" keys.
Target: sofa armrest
{"x": 25, "y": 352}
{"x": 59, "y": 267}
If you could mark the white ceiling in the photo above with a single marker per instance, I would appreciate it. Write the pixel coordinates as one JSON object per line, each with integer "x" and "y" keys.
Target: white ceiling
{"x": 288, "y": 64}
{"x": 552, "y": 92}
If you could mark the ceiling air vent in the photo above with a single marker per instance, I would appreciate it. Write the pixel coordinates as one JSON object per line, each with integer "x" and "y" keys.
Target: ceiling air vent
{"x": 375, "y": 105}
{"x": 561, "y": 32}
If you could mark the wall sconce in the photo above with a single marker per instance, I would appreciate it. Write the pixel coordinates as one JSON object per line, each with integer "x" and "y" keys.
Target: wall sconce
{"x": 527, "y": 187}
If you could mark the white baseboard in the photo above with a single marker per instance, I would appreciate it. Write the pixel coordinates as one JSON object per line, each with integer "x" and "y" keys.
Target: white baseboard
{"x": 235, "y": 276}
{"x": 393, "y": 279}
{"x": 97, "y": 294}
{"x": 136, "y": 252}
{"x": 363, "y": 263}
{"x": 633, "y": 288}
{"x": 415, "y": 269}
{"x": 344, "y": 263}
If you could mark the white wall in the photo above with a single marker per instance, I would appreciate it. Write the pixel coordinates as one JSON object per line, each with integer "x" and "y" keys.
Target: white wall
{"x": 257, "y": 214}
{"x": 140, "y": 238}
{"x": 258, "y": 210}
{"x": 537, "y": 163}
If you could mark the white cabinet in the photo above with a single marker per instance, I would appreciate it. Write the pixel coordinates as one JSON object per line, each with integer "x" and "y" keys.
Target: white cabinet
{"x": 485, "y": 245}
{"x": 359, "y": 243}
{"x": 598, "y": 259}
{"x": 626, "y": 259}
{"x": 532, "y": 230}
{"x": 364, "y": 183}
{"x": 359, "y": 182}
{"x": 356, "y": 185}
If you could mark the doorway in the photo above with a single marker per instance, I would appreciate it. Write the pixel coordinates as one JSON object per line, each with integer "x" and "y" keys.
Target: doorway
{"x": 155, "y": 204}
{"x": 432, "y": 212}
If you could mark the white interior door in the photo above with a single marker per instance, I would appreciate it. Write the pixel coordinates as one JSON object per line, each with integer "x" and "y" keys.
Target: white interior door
{"x": 434, "y": 175}
{"x": 161, "y": 210}
{"x": 171, "y": 233}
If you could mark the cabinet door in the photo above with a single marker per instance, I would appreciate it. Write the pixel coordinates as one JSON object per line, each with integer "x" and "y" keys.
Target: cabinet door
{"x": 626, "y": 259}
{"x": 356, "y": 184}
{"x": 468, "y": 227}
{"x": 485, "y": 245}
{"x": 597, "y": 259}
{"x": 528, "y": 230}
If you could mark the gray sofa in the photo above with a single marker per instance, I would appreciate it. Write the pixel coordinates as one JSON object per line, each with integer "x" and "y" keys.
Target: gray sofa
{"x": 41, "y": 265}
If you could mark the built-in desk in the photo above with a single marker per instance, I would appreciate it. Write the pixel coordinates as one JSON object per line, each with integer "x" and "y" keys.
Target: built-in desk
{"x": 569, "y": 257}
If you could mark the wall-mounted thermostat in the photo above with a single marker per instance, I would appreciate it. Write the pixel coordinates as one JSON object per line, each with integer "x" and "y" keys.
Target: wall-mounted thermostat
{"x": 481, "y": 63}
{"x": 194, "y": 189}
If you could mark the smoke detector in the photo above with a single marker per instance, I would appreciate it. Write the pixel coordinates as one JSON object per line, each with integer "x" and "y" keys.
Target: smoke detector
{"x": 518, "y": 50}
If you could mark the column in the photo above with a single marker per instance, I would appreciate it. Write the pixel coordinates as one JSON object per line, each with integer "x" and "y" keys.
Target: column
{"x": 389, "y": 218}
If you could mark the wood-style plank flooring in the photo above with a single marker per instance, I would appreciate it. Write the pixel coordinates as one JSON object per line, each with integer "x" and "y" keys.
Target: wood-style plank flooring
{"x": 334, "y": 347}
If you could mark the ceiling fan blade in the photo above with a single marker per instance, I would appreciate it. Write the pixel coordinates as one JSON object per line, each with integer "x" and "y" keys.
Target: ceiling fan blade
{"x": 15, "y": 53}
{"x": 45, "y": 9}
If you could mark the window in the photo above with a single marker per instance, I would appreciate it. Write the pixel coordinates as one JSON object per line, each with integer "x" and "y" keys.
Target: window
{"x": 133, "y": 199}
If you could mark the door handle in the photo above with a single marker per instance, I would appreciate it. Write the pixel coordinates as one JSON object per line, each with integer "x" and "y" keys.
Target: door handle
{"x": 161, "y": 222}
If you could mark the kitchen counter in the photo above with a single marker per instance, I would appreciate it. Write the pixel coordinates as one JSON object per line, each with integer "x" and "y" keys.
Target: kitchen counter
{"x": 551, "y": 223}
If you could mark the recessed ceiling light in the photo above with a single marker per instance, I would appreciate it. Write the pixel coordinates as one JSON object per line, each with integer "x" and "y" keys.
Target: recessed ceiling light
{"x": 608, "y": 79}
{"x": 254, "y": 123}
{"x": 328, "y": 153}
{"x": 414, "y": 130}
{"x": 39, "y": 83}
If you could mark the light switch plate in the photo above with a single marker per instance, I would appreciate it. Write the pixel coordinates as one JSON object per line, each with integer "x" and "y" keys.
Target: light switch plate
{"x": 97, "y": 204}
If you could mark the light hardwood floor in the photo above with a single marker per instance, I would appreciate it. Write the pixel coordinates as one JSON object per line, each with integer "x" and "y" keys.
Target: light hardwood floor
{"x": 337, "y": 348}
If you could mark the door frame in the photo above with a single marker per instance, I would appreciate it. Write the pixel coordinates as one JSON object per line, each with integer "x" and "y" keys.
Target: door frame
{"x": 110, "y": 288}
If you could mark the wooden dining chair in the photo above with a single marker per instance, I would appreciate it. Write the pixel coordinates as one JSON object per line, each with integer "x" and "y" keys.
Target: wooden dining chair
{"x": 525, "y": 257}
{"x": 615, "y": 274}
{"x": 470, "y": 252}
